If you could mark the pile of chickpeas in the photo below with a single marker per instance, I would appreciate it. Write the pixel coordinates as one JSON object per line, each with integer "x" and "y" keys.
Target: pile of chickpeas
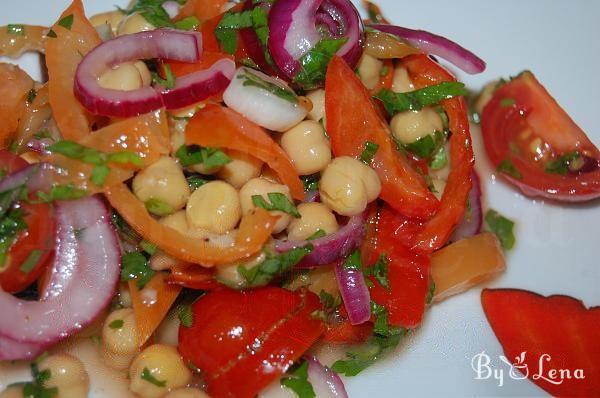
{"x": 215, "y": 209}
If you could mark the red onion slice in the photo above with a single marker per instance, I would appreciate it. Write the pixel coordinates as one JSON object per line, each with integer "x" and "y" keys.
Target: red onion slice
{"x": 37, "y": 177}
{"x": 325, "y": 382}
{"x": 473, "y": 218}
{"x": 11, "y": 350}
{"x": 86, "y": 266}
{"x": 355, "y": 293}
{"x": 161, "y": 43}
{"x": 349, "y": 25}
{"x": 330, "y": 248}
{"x": 437, "y": 45}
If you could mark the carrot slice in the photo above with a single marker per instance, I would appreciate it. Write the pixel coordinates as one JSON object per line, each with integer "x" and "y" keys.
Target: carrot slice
{"x": 466, "y": 263}
{"x": 217, "y": 126}
{"x": 149, "y": 311}
{"x": 63, "y": 54}
{"x": 254, "y": 230}
{"x": 13, "y": 90}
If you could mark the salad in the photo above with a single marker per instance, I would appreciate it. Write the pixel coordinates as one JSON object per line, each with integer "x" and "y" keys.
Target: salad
{"x": 208, "y": 192}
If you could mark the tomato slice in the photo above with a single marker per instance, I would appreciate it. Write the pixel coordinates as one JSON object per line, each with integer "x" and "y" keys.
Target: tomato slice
{"x": 525, "y": 131}
{"x": 352, "y": 120}
{"x": 193, "y": 277}
{"x": 342, "y": 331}
{"x": 242, "y": 341}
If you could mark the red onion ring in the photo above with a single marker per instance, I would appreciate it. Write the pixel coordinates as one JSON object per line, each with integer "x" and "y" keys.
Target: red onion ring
{"x": 325, "y": 382}
{"x": 473, "y": 218}
{"x": 253, "y": 46}
{"x": 11, "y": 350}
{"x": 86, "y": 266}
{"x": 355, "y": 293}
{"x": 330, "y": 248}
{"x": 293, "y": 31}
{"x": 436, "y": 45}
{"x": 161, "y": 43}
{"x": 35, "y": 176}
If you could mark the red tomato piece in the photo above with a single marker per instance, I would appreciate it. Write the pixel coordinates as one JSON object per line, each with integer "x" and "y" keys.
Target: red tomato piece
{"x": 525, "y": 128}
{"x": 193, "y": 276}
{"x": 242, "y": 341}
{"x": 557, "y": 332}
{"x": 352, "y": 120}
{"x": 343, "y": 332}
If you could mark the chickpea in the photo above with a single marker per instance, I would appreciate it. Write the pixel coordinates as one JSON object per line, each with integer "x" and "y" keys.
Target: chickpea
{"x": 161, "y": 261}
{"x": 317, "y": 97}
{"x": 401, "y": 81}
{"x": 168, "y": 331}
{"x": 313, "y": 217}
{"x": 438, "y": 185}
{"x": 144, "y": 73}
{"x": 177, "y": 221}
{"x": 67, "y": 374}
{"x": 162, "y": 180}
{"x": 124, "y": 295}
{"x": 111, "y": 18}
{"x": 119, "y": 342}
{"x": 270, "y": 175}
{"x": 186, "y": 393}
{"x": 125, "y": 77}
{"x": 348, "y": 185}
{"x": 261, "y": 186}
{"x": 307, "y": 146}
{"x": 484, "y": 97}
{"x": 408, "y": 127}
{"x": 133, "y": 24}
{"x": 161, "y": 363}
{"x": 214, "y": 206}
{"x": 241, "y": 169}
{"x": 369, "y": 70}
{"x": 229, "y": 275}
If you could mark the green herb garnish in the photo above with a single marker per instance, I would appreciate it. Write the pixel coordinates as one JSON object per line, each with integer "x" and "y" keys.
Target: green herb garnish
{"x": 135, "y": 266}
{"x": 62, "y": 192}
{"x": 426, "y": 146}
{"x": 311, "y": 182}
{"x": 275, "y": 265}
{"x": 185, "y": 315}
{"x": 507, "y": 167}
{"x": 31, "y": 261}
{"x": 379, "y": 271}
{"x": 16, "y": 29}
{"x": 147, "y": 375}
{"x": 195, "y": 182}
{"x": 502, "y": 227}
{"x": 419, "y": 99}
{"x": 226, "y": 30}
{"x": 297, "y": 381}
{"x": 209, "y": 157}
{"x": 369, "y": 152}
{"x": 564, "y": 164}
{"x": 314, "y": 63}
{"x": 158, "y": 207}
{"x": 116, "y": 324}
{"x": 277, "y": 202}
{"x": 253, "y": 80}
{"x": 66, "y": 22}
{"x": 168, "y": 82}
{"x": 319, "y": 233}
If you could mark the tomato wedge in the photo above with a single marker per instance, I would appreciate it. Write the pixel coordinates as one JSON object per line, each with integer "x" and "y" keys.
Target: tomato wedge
{"x": 408, "y": 272}
{"x": 242, "y": 341}
{"x": 193, "y": 277}
{"x": 220, "y": 127}
{"x": 254, "y": 230}
{"x": 13, "y": 91}
{"x": 530, "y": 139}
{"x": 352, "y": 120}
{"x": 63, "y": 55}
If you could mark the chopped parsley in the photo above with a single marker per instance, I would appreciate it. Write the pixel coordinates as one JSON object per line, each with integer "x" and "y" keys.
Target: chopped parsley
{"x": 507, "y": 102}
{"x": 51, "y": 33}
{"x": 62, "y": 192}
{"x": 189, "y": 23}
{"x": 16, "y": 29}
{"x": 314, "y": 63}
{"x": 153, "y": 12}
{"x": 147, "y": 375}
{"x": 31, "y": 261}
{"x": 99, "y": 174}
{"x": 502, "y": 227}
{"x": 311, "y": 182}
{"x": 507, "y": 167}
{"x": 158, "y": 207}
{"x": 195, "y": 182}
{"x": 439, "y": 159}
{"x": 135, "y": 266}
{"x": 36, "y": 388}
{"x": 564, "y": 164}
{"x": 431, "y": 291}
{"x": 168, "y": 82}
{"x": 209, "y": 157}
{"x": 419, "y": 99}
{"x": 66, "y": 22}
{"x": 148, "y": 247}
{"x": 277, "y": 202}
{"x": 379, "y": 271}
{"x": 369, "y": 152}
{"x": 353, "y": 261}
{"x": 253, "y": 80}
{"x": 126, "y": 232}
{"x": 226, "y": 30}
{"x": 329, "y": 302}
{"x": 275, "y": 265}
{"x": 185, "y": 315}
{"x": 31, "y": 96}
{"x": 319, "y": 233}
{"x": 426, "y": 146}
{"x": 11, "y": 224}
{"x": 297, "y": 381}
{"x": 116, "y": 324}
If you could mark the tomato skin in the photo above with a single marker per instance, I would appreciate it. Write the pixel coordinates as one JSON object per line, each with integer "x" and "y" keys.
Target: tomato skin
{"x": 38, "y": 236}
{"x": 343, "y": 332}
{"x": 532, "y": 112}
{"x": 227, "y": 324}
{"x": 193, "y": 276}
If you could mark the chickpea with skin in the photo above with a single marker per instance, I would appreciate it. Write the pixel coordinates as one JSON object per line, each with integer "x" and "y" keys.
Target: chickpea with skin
{"x": 119, "y": 339}
{"x": 408, "y": 127}
{"x": 307, "y": 146}
{"x": 126, "y": 77}
{"x": 242, "y": 168}
{"x": 67, "y": 374}
{"x": 313, "y": 217}
{"x": 317, "y": 97}
{"x": 262, "y": 187}
{"x": 215, "y": 207}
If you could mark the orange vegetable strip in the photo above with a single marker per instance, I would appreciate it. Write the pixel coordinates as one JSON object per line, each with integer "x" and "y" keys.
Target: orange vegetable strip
{"x": 254, "y": 230}
{"x": 148, "y": 312}
{"x": 13, "y": 91}
{"x": 63, "y": 55}
{"x": 220, "y": 127}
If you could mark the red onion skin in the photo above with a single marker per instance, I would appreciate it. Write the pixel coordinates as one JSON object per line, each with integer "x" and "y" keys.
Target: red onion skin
{"x": 93, "y": 255}
{"x": 355, "y": 293}
{"x": 331, "y": 248}
{"x": 37, "y": 177}
{"x": 325, "y": 382}
{"x": 11, "y": 350}
{"x": 436, "y": 45}
{"x": 473, "y": 219}
{"x": 352, "y": 50}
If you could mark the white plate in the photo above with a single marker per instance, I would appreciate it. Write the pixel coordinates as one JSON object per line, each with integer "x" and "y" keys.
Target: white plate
{"x": 557, "y": 247}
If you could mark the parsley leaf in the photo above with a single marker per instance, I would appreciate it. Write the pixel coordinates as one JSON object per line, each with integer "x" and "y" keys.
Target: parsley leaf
{"x": 278, "y": 201}
{"x": 565, "y": 163}
{"x": 153, "y": 12}
{"x": 314, "y": 63}
{"x": 148, "y": 247}
{"x": 125, "y": 157}
{"x": 195, "y": 182}
{"x": 168, "y": 82}
{"x": 185, "y": 315}
{"x": 147, "y": 375}
{"x": 507, "y": 167}
{"x": 379, "y": 271}
{"x": 274, "y": 266}
{"x": 99, "y": 174}
{"x": 73, "y": 150}
{"x": 31, "y": 96}
{"x": 297, "y": 381}
{"x": 135, "y": 266}
{"x": 66, "y": 22}
{"x": 16, "y": 29}
{"x": 116, "y": 324}
{"x": 439, "y": 159}
{"x": 253, "y": 80}
{"x": 431, "y": 291}
{"x": 311, "y": 182}
{"x": 353, "y": 261}
{"x": 125, "y": 231}
{"x": 426, "y": 146}
{"x": 418, "y": 99}
{"x": 11, "y": 224}
{"x": 189, "y": 23}
{"x": 319, "y": 233}
{"x": 31, "y": 261}
{"x": 502, "y": 227}
{"x": 507, "y": 102}
{"x": 62, "y": 192}
{"x": 158, "y": 207}
{"x": 329, "y": 302}
{"x": 209, "y": 157}
{"x": 226, "y": 30}
{"x": 37, "y": 388}
{"x": 369, "y": 152}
